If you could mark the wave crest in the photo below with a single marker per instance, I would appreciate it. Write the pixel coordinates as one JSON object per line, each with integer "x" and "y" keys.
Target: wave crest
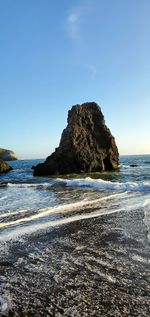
{"x": 87, "y": 182}
{"x": 107, "y": 185}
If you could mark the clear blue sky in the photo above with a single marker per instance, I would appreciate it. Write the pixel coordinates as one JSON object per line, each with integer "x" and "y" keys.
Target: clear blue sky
{"x": 54, "y": 54}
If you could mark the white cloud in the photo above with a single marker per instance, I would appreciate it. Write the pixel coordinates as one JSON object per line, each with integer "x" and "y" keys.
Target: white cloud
{"x": 76, "y": 18}
{"x": 73, "y": 25}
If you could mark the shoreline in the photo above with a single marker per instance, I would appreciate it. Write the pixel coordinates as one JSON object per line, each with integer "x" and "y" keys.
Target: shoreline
{"x": 91, "y": 267}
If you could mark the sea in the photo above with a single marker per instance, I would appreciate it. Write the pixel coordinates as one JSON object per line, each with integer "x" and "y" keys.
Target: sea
{"x": 77, "y": 245}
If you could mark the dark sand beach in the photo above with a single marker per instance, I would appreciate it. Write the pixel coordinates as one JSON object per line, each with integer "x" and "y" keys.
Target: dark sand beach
{"x": 83, "y": 252}
{"x": 94, "y": 267}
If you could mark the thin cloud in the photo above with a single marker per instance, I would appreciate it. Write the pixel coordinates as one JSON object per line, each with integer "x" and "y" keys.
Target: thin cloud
{"x": 76, "y": 17}
{"x": 72, "y": 18}
{"x": 73, "y": 25}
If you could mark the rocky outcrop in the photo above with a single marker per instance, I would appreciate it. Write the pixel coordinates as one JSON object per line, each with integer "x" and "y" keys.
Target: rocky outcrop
{"x": 86, "y": 145}
{"x": 7, "y": 155}
{"x": 4, "y": 167}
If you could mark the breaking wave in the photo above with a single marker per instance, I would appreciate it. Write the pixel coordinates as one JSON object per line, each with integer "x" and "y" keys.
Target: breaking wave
{"x": 101, "y": 184}
{"x": 26, "y": 185}
{"x": 87, "y": 183}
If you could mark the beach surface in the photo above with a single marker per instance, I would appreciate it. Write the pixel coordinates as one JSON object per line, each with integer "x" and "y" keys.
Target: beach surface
{"x": 86, "y": 254}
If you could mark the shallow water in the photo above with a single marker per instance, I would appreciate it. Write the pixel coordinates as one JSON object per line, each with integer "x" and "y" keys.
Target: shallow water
{"x": 75, "y": 246}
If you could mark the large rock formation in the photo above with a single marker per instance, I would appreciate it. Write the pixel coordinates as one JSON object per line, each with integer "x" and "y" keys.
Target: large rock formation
{"x": 4, "y": 167}
{"x": 86, "y": 145}
{"x": 7, "y": 155}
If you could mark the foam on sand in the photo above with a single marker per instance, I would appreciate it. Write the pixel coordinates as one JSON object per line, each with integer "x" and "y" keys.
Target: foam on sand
{"x": 146, "y": 207}
{"x": 63, "y": 208}
{"x": 5, "y": 305}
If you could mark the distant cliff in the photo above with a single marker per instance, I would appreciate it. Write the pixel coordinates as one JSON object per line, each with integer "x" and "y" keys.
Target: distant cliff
{"x": 7, "y": 155}
{"x": 86, "y": 145}
{"x": 4, "y": 167}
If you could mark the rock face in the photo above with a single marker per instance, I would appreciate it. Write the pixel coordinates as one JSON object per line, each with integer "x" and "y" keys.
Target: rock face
{"x": 7, "y": 155}
{"x": 4, "y": 167}
{"x": 86, "y": 145}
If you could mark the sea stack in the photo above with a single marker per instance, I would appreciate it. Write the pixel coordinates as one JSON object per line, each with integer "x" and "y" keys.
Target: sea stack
{"x": 7, "y": 155}
{"x": 86, "y": 145}
{"x": 4, "y": 167}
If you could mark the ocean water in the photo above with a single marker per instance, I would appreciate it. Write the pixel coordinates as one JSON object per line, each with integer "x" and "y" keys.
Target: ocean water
{"x": 75, "y": 246}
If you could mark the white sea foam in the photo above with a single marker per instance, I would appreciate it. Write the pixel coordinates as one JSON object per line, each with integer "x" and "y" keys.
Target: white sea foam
{"x": 89, "y": 183}
{"x": 106, "y": 185}
{"x": 140, "y": 258}
{"x": 3, "y": 197}
{"x": 26, "y": 230}
{"x": 146, "y": 203}
{"x": 118, "y": 202}
{"x": 146, "y": 207}
{"x": 26, "y": 185}
{"x": 99, "y": 261}
{"x": 8, "y": 214}
{"x": 107, "y": 277}
{"x": 5, "y": 305}
{"x": 64, "y": 208}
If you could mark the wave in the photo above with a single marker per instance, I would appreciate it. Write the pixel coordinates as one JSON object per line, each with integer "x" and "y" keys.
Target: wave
{"x": 108, "y": 185}
{"x": 87, "y": 182}
{"x": 28, "y": 185}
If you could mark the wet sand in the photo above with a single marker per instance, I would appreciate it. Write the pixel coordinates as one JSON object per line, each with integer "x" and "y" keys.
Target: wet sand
{"x": 92, "y": 267}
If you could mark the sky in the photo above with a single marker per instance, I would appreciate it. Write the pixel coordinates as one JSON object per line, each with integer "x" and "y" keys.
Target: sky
{"x": 55, "y": 54}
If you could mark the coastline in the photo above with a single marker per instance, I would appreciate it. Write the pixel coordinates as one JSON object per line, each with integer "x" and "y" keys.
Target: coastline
{"x": 75, "y": 246}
